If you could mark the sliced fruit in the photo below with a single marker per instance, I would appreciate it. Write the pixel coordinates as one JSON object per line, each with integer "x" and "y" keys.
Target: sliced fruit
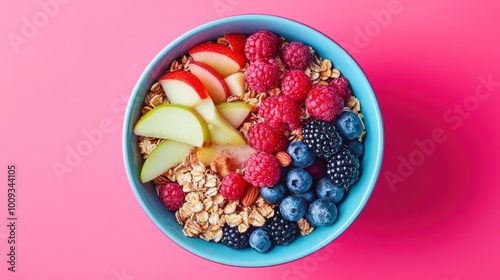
{"x": 236, "y": 42}
{"x": 183, "y": 87}
{"x": 212, "y": 80}
{"x": 221, "y": 58}
{"x": 239, "y": 153}
{"x": 234, "y": 112}
{"x": 175, "y": 122}
{"x": 165, "y": 156}
{"x": 222, "y": 131}
{"x": 236, "y": 83}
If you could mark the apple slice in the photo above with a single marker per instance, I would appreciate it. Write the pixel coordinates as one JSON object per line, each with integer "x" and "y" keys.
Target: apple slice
{"x": 240, "y": 153}
{"x": 221, "y": 58}
{"x": 183, "y": 87}
{"x": 175, "y": 122}
{"x": 165, "y": 156}
{"x": 221, "y": 130}
{"x": 234, "y": 112}
{"x": 212, "y": 80}
{"x": 236, "y": 83}
{"x": 236, "y": 42}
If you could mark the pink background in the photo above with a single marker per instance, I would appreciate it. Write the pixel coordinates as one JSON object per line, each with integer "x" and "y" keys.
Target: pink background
{"x": 70, "y": 75}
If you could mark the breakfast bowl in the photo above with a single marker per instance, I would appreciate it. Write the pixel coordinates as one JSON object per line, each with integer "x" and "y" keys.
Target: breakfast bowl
{"x": 357, "y": 195}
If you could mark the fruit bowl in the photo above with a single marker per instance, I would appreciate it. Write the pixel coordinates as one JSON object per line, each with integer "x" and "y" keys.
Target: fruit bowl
{"x": 348, "y": 211}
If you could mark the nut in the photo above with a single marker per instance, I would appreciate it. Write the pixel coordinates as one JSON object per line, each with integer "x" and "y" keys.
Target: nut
{"x": 304, "y": 226}
{"x": 250, "y": 196}
{"x": 283, "y": 158}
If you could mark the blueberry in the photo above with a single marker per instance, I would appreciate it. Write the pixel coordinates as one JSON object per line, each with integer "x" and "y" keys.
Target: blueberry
{"x": 301, "y": 155}
{"x": 293, "y": 208}
{"x": 349, "y": 125}
{"x": 260, "y": 240}
{"x": 273, "y": 194}
{"x": 309, "y": 196}
{"x": 298, "y": 180}
{"x": 322, "y": 212}
{"x": 357, "y": 148}
{"x": 325, "y": 188}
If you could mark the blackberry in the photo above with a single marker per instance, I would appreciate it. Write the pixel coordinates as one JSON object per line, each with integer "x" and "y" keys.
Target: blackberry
{"x": 322, "y": 138}
{"x": 234, "y": 239}
{"x": 343, "y": 168}
{"x": 283, "y": 232}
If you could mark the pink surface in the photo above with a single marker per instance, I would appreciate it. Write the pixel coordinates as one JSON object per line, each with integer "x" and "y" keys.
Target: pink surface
{"x": 68, "y": 67}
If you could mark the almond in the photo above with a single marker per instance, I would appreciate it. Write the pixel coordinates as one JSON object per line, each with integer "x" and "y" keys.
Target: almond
{"x": 283, "y": 158}
{"x": 250, "y": 196}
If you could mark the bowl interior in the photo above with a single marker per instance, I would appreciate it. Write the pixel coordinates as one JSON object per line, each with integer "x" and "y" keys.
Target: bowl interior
{"x": 356, "y": 197}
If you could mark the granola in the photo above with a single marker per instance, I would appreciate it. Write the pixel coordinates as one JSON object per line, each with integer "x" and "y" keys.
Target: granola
{"x": 205, "y": 211}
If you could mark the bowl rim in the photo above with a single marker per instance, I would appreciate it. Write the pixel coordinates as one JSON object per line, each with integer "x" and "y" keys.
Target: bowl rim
{"x": 127, "y": 138}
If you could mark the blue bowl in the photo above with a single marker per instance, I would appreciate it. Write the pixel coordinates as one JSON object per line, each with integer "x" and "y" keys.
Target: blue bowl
{"x": 358, "y": 194}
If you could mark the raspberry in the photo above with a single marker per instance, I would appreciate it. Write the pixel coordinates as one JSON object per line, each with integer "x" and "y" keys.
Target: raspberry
{"x": 324, "y": 103}
{"x": 233, "y": 186}
{"x": 341, "y": 85}
{"x": 265, "y": 138}
{"x": 296, "y": 55}
{"x": 295, "y": 85}
{"x": 262, "y": 169}
{"x": 261, "y": 44}
{"x": 171, "y": 195}
{"x": 284, "y": 143}
{"x": 280, "y": 109}
{"x": 262, "y": 75}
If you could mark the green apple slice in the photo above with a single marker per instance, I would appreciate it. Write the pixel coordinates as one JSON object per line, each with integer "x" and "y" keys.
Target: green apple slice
{"x": 221, "y": 130}
{"x": 234, "y": 112}
{"x": 175, "y": 122}
{"x": 168, "y": 154}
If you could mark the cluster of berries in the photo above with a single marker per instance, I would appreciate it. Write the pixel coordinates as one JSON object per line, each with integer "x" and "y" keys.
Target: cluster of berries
{"x": 323, "y": 103}
{"x": 305, "y": 189}
{"x": 325, "y": 163}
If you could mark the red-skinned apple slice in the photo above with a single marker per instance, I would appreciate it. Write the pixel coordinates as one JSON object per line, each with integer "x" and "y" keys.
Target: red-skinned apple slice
{"x": 236, "y": 42}
{"x": 221, "y": 58}
{"x": 212, "y": 80}
{"x": 182, "y": 87}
